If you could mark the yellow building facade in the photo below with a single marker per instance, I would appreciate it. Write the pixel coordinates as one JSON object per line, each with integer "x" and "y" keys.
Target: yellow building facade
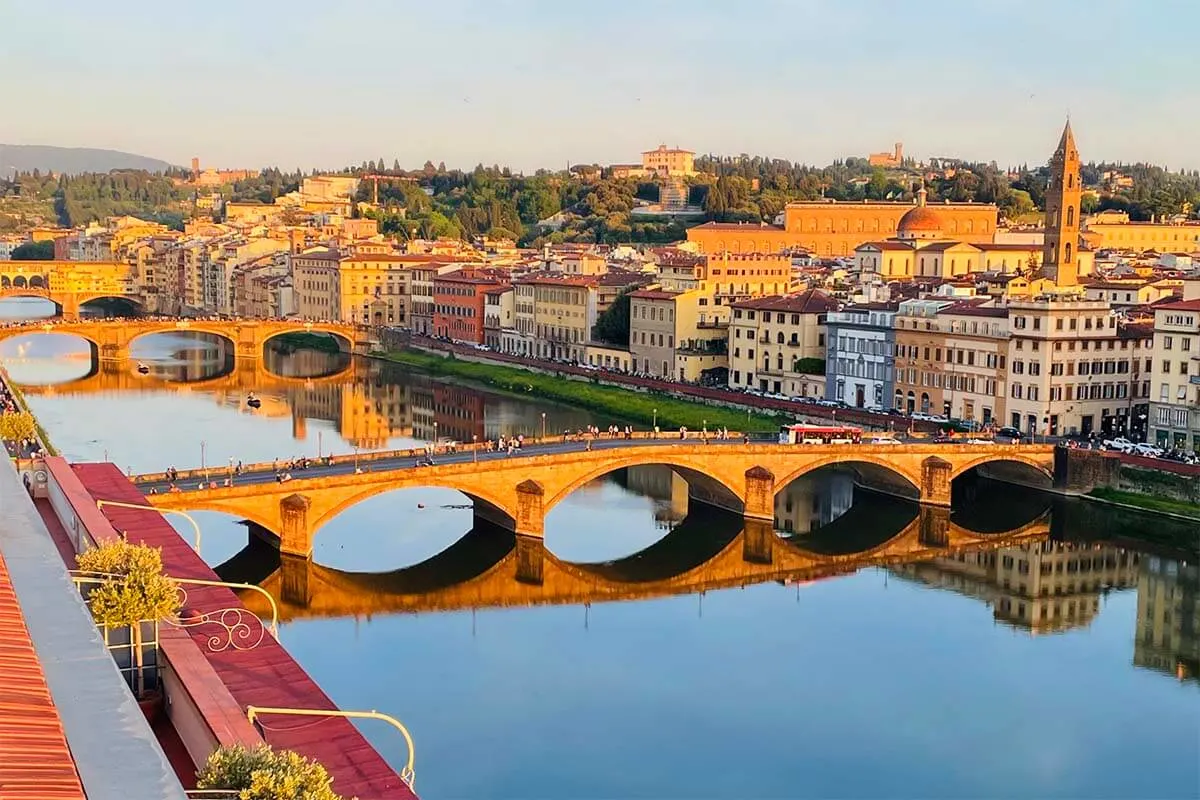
{"x": 1142, "y": 236}
{"x": 832, "y": 228}
{"x": 373, "y": 289}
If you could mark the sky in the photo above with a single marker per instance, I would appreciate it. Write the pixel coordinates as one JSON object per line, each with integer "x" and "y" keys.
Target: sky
{"x": 543, "y": 83}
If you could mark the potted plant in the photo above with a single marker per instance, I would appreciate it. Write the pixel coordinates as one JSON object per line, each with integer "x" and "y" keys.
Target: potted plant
{"x": 265, "y": 774}
{"x": 130, "y": 595}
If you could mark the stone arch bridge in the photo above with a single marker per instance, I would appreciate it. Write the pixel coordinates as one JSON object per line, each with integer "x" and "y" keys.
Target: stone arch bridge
{"x": 68, "y": 284}
{"x": 111, "y": 339}
{"x": 515, "y": 493}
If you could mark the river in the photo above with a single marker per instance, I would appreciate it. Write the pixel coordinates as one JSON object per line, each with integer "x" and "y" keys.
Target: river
{"x": 1064, "y": 666}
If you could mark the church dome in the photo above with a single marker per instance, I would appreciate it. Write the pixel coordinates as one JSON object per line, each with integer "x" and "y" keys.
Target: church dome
{"x": 920, "y": 219}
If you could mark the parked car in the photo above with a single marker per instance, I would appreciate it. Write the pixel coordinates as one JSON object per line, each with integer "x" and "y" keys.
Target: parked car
{"x": 1009, "y": 432}
{"x": 1120, "y": 443}
{"x": 1145, "y": 449}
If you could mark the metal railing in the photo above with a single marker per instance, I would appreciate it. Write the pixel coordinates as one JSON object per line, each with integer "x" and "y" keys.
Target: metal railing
{"x": 81, "y": 577}
{"x": 407, "y": 774}
{"x": 195, "y": 525}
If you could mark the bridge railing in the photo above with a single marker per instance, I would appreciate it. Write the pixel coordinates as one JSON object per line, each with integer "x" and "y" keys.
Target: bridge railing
{"x": 220, "y": 472}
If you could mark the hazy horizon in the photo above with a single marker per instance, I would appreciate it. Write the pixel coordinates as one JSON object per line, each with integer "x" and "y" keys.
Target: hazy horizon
{"x": 529, "y": 84}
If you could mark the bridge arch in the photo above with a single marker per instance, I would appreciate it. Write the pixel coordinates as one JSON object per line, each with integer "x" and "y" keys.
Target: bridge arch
{"x": 134, "y": 304}
{"x": 139, "y": 332}
{"x": 704, "y": 482}
{"x": 489, "y": 505}
{"x": 337, "y": 333}
{"x": 1022, "y": 467}
{"x": 875, "y": 471}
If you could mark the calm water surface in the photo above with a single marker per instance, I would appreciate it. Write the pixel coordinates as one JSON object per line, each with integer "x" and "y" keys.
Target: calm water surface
{"x": 952, "y": 677}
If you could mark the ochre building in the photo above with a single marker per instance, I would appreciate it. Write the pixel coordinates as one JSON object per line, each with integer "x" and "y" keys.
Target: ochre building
{"x": 832, "y": 228}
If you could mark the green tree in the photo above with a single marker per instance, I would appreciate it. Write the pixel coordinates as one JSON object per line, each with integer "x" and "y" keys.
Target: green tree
{"x": 613, "y": 325}
{"x": 33, "y": 251}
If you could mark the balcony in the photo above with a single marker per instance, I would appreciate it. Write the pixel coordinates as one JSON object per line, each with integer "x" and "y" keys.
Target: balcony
{"x": 712, "y": 324}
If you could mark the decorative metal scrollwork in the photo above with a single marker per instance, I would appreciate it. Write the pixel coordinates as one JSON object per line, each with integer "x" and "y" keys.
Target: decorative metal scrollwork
{"x": 237, "y": 626}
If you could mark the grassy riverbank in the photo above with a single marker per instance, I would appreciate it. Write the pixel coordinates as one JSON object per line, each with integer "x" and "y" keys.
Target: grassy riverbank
{"x": 624, "y": 404}
{"x": 1148, "y": 502}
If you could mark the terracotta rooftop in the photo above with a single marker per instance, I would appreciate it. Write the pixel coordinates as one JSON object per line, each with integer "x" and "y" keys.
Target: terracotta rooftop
{"x": 975, "y": 308}
{"x": 741, "y": 226}
{"x": 885, "y": 245}
{"x": 653, "y": 294}
{"x": 814, "y": 301}
{"x": 35, "y": 763}
{"x": 1180, "y": 305}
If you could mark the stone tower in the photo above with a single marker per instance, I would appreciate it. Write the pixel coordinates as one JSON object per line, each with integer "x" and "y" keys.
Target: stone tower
{"x": 1060, "y": 259}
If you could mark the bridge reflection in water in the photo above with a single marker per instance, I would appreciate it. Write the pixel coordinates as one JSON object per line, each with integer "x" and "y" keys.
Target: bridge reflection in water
{"x": 207, "y": 362}
{"x": 491, "y": 567}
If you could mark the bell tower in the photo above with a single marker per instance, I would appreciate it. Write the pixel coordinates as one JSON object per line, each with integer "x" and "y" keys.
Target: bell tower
{"x": 1060, "y": 259}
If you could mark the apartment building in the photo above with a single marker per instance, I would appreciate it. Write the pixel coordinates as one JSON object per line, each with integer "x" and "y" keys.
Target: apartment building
{"x": 1175, "y": 375}
{"x": 777, "y": 344}
{"x": 1073, "y": 368}
{"x": 458, "y": 303}
{"x": 373, "y": 288}
{"x": 652, "y": 331}
{"x": 859, "y": 355}
{"x": 263, "y": 288}
{"x": 675, "y": 335}
{"x": 564, "y": 311}
{"x": 421, "y": 276}
{"x": 951, "y": 359}
{"x": 317, "y": 284}
{"x": 498, "y": 315}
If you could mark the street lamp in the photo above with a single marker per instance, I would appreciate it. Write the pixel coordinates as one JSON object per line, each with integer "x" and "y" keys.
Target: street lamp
{"x": 318, "y": 444}
{"x": 195, "y": 525}
{"x": 543, "y": 426}
{"x": 475, "y": 446}
{"x": 356, "y": 458}
{"x": 203, "y": 445}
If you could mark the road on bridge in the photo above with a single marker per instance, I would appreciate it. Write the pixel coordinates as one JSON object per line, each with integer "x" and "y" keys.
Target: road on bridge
{"x": 345, "y": 465}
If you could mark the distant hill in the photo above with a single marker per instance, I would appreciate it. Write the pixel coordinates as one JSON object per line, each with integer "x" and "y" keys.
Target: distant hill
{"x": 71, "y": 160}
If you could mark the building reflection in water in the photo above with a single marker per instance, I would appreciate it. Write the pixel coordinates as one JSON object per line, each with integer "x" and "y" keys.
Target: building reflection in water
{"x": 1042, "y": 587}
{"x": 1168, "y": 618}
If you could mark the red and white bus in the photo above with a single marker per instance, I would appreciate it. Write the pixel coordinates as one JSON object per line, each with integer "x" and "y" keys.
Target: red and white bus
{"x": 819, "y": 434}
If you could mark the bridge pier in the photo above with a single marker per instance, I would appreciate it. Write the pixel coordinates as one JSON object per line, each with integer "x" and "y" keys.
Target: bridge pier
{"x": 758, "y": 541}
{"x": 530, "y": 519}
{"x": 295, "y": 536}
{"x": 759, "y": 502}
{"x": 114, "y": 352}
{"x": 935, "y": 481}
